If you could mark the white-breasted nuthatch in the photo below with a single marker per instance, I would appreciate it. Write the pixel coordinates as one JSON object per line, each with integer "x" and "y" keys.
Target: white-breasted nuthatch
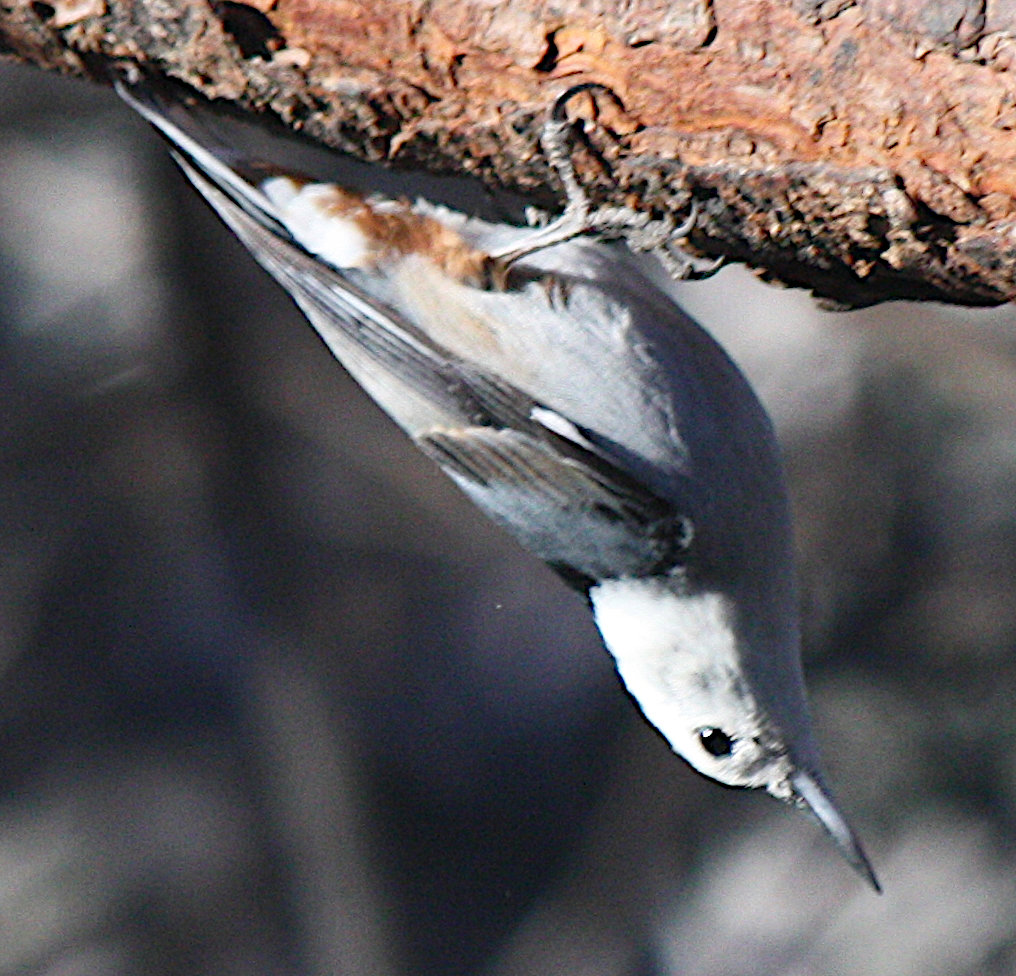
{"x": 581, "y": 409}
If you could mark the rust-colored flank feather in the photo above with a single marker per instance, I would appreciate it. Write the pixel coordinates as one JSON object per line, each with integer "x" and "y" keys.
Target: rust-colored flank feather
{"x": 393, "y": 230}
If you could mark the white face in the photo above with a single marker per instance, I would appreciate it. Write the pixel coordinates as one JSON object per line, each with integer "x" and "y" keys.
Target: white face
{"x": 677, "y": 655}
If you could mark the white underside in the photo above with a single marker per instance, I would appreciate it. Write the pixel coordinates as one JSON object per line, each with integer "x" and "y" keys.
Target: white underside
{"x": 305, "y": 211}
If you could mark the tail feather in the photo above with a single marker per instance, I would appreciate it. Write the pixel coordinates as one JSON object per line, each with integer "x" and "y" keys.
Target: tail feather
{"x": 193, "y": 141}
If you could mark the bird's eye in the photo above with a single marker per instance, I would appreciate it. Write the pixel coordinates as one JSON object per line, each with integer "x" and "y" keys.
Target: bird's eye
{"x": 716, "y": 742}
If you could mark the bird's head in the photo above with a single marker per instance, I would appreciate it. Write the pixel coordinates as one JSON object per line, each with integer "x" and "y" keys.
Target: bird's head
{"x": 727, "y": 699}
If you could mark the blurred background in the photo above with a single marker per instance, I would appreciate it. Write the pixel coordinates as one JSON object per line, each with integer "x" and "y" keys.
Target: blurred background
{"x": 274, "y": 699}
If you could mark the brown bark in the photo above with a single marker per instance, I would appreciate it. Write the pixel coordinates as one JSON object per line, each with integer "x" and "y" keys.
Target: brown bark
{"x": 863, "y": 148}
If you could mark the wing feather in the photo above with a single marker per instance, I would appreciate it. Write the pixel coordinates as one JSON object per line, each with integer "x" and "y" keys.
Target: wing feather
{"x": 584, "y": 516}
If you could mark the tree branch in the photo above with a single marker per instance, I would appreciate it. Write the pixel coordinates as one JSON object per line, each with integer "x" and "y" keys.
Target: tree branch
{"x": 862, "y": 148}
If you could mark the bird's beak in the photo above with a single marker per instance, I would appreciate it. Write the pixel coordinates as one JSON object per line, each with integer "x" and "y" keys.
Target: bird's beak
{"x": 811, "y": 796}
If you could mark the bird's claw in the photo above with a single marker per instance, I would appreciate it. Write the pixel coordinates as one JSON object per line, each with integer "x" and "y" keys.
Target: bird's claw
{"x": 638, "y": 229}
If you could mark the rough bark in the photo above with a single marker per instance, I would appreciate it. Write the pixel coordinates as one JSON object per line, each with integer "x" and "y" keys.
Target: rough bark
{"x": 862, "y": 148}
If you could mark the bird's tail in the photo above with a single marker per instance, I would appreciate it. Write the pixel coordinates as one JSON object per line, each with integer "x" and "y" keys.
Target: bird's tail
{"x": 197, "y": 149}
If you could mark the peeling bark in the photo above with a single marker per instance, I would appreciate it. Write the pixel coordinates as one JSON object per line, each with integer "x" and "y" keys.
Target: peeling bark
{"x": 865, "y": 149}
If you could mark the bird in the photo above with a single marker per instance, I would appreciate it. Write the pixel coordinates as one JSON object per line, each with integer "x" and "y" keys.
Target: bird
{"x": 579, "y": 407}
